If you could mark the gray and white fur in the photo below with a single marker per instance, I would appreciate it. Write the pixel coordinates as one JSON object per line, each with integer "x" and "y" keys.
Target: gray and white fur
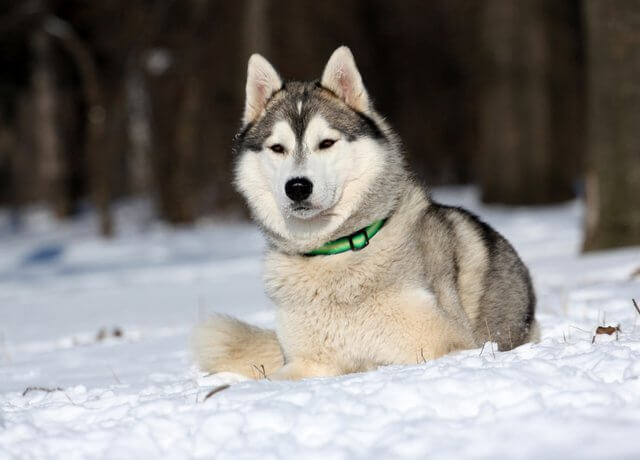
{"x": 316, "y": 162}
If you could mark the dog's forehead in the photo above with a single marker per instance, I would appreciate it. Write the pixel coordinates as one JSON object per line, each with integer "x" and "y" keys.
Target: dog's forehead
{"x": 296, "y": 104}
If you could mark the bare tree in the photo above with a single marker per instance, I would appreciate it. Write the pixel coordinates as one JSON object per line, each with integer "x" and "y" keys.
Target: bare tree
{"x": 530, "y": 125}
{"x": 613, "y": 178}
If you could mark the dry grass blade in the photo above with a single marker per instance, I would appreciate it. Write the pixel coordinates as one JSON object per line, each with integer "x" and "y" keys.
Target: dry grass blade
{"x": 115, "y": 377}
{"x": 490, "y": 338}
{"x": 578, "y": 329}
{"x": 216, "y": 390}
{"x": 635, "y": 304}
{"x": 261, "y": 371}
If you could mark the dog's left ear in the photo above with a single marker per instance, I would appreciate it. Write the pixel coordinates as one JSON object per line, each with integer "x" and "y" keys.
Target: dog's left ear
{"x": 342, "y": 77}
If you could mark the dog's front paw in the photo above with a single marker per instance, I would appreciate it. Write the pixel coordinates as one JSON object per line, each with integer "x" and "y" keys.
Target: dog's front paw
{"x": 303, "y": 369}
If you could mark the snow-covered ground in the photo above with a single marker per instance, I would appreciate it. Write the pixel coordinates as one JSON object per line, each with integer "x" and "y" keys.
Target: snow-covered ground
{"x": 104, "y": 328}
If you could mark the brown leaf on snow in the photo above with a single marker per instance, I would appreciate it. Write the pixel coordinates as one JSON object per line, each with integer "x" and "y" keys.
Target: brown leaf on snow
{"x": 104, "y": 334}
{"x": 607, "y": 329}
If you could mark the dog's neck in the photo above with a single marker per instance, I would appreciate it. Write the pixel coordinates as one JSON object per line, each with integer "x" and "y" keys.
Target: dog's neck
{"x": 405, "y": 198}
{"x": 353, "y": 242}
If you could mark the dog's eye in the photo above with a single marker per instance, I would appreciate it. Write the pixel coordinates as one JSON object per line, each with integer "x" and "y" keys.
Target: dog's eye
{"x": 326, "y": 143}
{"x": 278, "y": 148}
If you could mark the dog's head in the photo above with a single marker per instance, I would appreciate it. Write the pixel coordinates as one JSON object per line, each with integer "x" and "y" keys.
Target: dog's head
{"x": 315, "y": 160}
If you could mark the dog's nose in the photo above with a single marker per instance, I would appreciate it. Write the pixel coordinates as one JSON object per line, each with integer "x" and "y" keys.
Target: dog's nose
{"x": 298, "y": 188}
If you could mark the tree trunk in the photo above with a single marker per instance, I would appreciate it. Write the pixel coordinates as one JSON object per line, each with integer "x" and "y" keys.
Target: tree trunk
{"x": 139, "y": 130}
{"x": 529, "y": 117}
{"x": 52, "y": 169}
{"x": 195, "y": 106}
{"x": 613, "y": 179}
{"x": 100, "y": 172}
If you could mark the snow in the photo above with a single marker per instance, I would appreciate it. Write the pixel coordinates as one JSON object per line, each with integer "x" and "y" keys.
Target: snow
{"x": 108, "y": 323}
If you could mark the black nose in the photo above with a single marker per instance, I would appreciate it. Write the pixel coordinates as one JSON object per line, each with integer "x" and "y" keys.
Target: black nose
{"x": 298, "y": 189}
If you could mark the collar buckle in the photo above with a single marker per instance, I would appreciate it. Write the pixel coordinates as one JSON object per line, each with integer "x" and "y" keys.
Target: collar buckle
{"x": 362, "y": 232}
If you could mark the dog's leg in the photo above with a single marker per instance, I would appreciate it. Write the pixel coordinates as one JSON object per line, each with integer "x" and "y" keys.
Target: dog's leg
{"x": 434, "y": 335}
{"x": 414, "y": 329}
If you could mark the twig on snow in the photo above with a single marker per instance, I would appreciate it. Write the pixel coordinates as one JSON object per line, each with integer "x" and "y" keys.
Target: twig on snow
{"x": 215, "y": 390}
{"x": 46, "y": 390}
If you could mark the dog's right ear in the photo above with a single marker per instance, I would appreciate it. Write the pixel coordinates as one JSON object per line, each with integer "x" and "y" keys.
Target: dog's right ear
{"x": 262, "y": 82}
{"x": 341, "y": 76}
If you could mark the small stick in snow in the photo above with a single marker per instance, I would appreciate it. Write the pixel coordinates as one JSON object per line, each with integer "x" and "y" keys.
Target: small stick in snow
{"x": 216, "y": 390}
{"x": 424, "y": 360}
{"x": 635, "y": 304}
{"x": 46, "y": 390}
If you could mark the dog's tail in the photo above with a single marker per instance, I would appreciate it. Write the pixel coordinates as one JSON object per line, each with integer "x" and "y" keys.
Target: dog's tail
{"x": 225, "y": 344}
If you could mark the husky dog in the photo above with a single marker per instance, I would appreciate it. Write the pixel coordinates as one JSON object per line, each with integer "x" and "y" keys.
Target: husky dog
{"x": 363, "y": 267}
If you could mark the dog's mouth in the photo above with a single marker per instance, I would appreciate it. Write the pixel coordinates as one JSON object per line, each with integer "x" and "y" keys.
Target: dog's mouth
{"x": 306, "y": 211}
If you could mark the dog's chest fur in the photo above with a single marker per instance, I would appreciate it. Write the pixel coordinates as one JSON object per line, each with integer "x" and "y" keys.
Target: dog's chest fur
{"x": 337, "y": 304}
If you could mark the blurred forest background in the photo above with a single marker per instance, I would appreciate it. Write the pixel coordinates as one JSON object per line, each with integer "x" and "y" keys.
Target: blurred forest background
{"x": 536, "y": 101}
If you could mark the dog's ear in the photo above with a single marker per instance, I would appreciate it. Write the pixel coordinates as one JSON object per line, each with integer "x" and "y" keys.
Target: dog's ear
{"x": 262, "y": 82}
{"x": 342, "y": 77}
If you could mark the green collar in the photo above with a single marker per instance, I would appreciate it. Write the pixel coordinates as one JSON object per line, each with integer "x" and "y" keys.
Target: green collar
{"x": 354, "y": 242}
